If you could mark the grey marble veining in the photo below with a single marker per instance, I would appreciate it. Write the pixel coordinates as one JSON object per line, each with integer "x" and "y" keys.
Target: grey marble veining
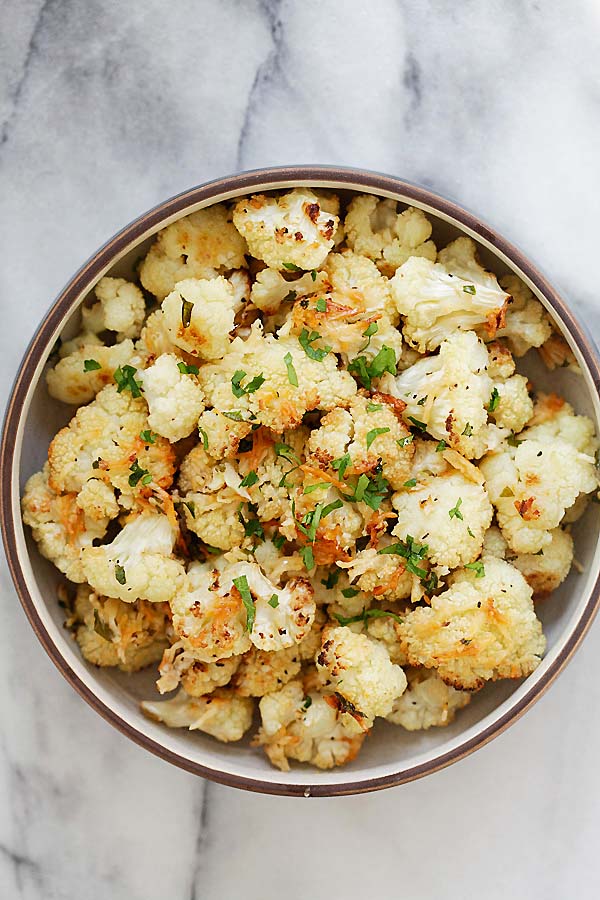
{"x": 107, "y": 108}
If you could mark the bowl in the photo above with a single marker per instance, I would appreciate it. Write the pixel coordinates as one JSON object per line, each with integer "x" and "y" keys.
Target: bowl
{"x": 391, "y": 756}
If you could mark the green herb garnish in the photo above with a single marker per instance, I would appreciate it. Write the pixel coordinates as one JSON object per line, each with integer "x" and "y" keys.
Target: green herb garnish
{"x": 292, "y": 267}
{"x": 494, "y": 400}
{"x": 341, "y": 464}
{"x": 188, "y": 370}
{"x": 374, "y": 433}
{"x": 250, "y": 479}
{"x": 307, "y": 557}
{"x": 476, "y": 567}
{"x": 274, "y": 601}
{"x": 138, "y": 474}
{"x": 204, "y": 437}
{"x": 321, "y": 305}
{"x": 241, "y": 584}
{"x": 469, "y": 289}
{"x": 441, "y": 446}
{"x": 455, "y": 512}
{"x": 365, "y": 370}
{"x": 306, "y": 340}
{"x": 120, "y": 574}
{"x": 126, "y": 382}
{"x": 291, "y": 372}
{"x": 412, "y": 482}
{"x": 91, "y": 365}
{"x": 365, "y": 615}
{"x": 148, "y": 436}
{"x": 186, "y": 312}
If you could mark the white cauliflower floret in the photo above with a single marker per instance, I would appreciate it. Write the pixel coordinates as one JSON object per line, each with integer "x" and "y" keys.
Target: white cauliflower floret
{"x": 59, "y": 526}
{"x": 279, "y": 403}
{"x": 510, "y": 405}
{"x": 155, "y": 339}
{"x": 533, "y": 483}
{"x": 104, "y": 440}
{"x": 482, "y": 628}
{"x": 262, "y": 672}
{"x": 361, "y": 671}
{"x": 130, "y": 636}
{"x": 174, "y": 398}
{"x": 271, "y": 289}
{"x": 199, "y": 314}
{"x": 290, "y": 231}
{"x": 221, "y": 434}
{"x": 210, "y": 619}
{"x": 201, "y": 678}
{"x": 368, "y": 431}
{"x": 381, "y": 574}
{"x": 196, "y": 246}
{"x": 436, "y": 303}
{"x": 450, "y": 514}
{"x": 78, "y": 377}
{"x": 222, "y": 714}
{"x": 545, "y": 570}
{"x": 427, "y": 702}
{"x": 121, "y": 308}
{"x": 494, "y": 543}
{"x": 527, "y": 322}
{"x": 376, "y": 229}
{"x": 306, "y": 727}
{"x": 214, "y": 517}
{"x": 356, "y": 282}
{"x": 448, "y": 395}
{"x": 282, "y": 615}
{"x": 139, "y": 563}
{"x": 97, "y": 500}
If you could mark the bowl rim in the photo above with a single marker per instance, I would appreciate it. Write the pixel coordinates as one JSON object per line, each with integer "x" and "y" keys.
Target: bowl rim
{"x": 330, "y": 177}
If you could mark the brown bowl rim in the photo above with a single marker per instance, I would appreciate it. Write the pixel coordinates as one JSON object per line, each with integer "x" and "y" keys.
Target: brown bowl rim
{"x": 241, "y": 183}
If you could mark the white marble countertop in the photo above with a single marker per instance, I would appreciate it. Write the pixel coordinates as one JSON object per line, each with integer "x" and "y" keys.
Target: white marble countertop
{"x": 108, "y": 108}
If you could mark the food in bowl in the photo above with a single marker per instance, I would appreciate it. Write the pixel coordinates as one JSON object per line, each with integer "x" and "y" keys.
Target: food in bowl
{"x": 304, "y": 474}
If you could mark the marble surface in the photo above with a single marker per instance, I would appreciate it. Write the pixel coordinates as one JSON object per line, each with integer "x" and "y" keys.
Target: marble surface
{"x": 107, "y": 108}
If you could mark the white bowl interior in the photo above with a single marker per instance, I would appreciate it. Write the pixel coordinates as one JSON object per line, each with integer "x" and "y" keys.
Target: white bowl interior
{"x": 389, "y": 749}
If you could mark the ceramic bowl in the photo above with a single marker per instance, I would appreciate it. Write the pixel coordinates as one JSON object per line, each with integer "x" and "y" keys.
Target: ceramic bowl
{"x": 391, "y": 756}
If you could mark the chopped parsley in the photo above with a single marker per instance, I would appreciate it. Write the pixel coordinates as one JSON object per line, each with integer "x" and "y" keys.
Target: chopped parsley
{"x": 286, "y": 452}
{"x": 274, "y": 601}
{"x": 374, "y": 433}
{"x": 313, "y": 274}
{"x": 291, "y": 372}
{"x": 315, "y": 487}
{"x": 126, "y": 382}
{"x": 455, "y": 512}
{"x": 369, "y": 491}
{"x": 494, "y": 400}
{"x": 365, "y": 370}
{"x": 337, "y": 504}
{"x": 138, "y": 474}
{"x": 250, "y": 479}
{"x": 278, "y": 541}
{"x": 469, "y": 532}
{"x": 341, "y": 464}
{"x": 369, "y": 331}
{"x": 148, "y": 436}
{"x": 204, "y": 437}
{"x": 241, "y": 584}
{"x": 331, "y": 580}
{"x": 374, "y": 407}
{"x": 365, "y": 615}
{"x": 421, "y": 402}
{"x": 307, "y": 339}
{"x": 187, "y": 370}
{"x": 186, "y": 313}
{"x": 120, "y": 574}
{"x": 469, "y": 289}
{"x": 321, "y": 305}
{"x": 405, "y": 441}
{"x": 441, "y": 446}
{"x": 350, "y": 592}
{"x": 412, "y": 482}
{"x": 102, "y": 628}
{"x": 191, "y": 506}
{"x": 292, "y": 267}
{"x": 307, "y": 557}
{"x": 512, "y": 440}
{"x": 412, "y": 552}
{"x": 476, "y": 567}
{"x": 253, "y": 528}
{"x": 307, "y": 702}
{"x": 420, "y": 426}
{"x": 468, "y": 430}
{"x": 91, "y": 365}
{"x": 238, "y": 390}
{"x": 235, "y": 414}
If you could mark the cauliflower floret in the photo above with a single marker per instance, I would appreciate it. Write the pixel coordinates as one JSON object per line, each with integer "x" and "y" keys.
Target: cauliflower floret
{"x": 292, "y": 383}
{"x": 527, "y": 322}
{"x": 262, "y": 672}
{"x": 369, "y": 432}
{"x": 199, "y": 314}
{"x": 510, "y": 405}
{"x": 436, "y": 303}
{"x": 374, "y": 228}
{"x": 448, "y": 395}
{"x": 307, "y": 727}
{"x": 450, "y": 514}
{"x": 155, "y": 339}
{"x": 494, "y": 543}
{"x": 287, "y": 232}
{"x": 556, "y": 354}
{"x": 357, "y": 282}
{"x": 196, "y": 246}
{"x": 282, "y": 615}
{"x": 59, "y": 526}
{"x": 104, "y": 440}
{"x": 271, "y": 289}
{"x": 381, "y": 574}
{"x": 426, "y": 702}
{"x": 386, "y": 630}
{"x": 214, "y": 517}
{"x": 98, "y": 501}
{"x": 222, "y": 714}
{"x": 501, "y": 364}
{"x": 341, "y": 597}
{"x": 321, "y": 324}
{"x": 533, "y": 483}
{"x": 545, "y": 570}
{"x": 482, "y": 628}
{"x": 361, "y": 671}
{"x": 180, "y": 666}
{"x": 78, "y": 377}
{"x": 174, "y": 398}
{"x": 139, "y": 562}
{"x": 130, "y": 636}
{"x": 555, "y": 419}
{"x": 222, "y": 435}
{"x": 121, "y": 308}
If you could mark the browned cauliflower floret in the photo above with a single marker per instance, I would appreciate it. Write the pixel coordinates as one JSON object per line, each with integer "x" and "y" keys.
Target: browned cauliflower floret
{"x": 369, "y": 432}
{"x": 307, "y": 727}
{"x": 199, "y": 314}
{"x": 262, "y": 672}
{"x": 356, "y": 282}
{"x": 222, "y": 714}
{"x": 381, "y": 574}
{"x": 130, "y": 636}
{"x": 527, "y": 322}
{"x": 271, "y": 289}
{"x": 78, "y": 377}
{"x": 196, "y": 246}
{"x": 221, "y": 435}
{"x": 482, "y": 628}
{"x": 545, "y": 570}
{"x": 104, "y": 440}
{"x": 202, "y": 678}
{"x": 427, "y": 702}
{"x": 361, "y": 671}
{"x": 376, "y": 229}
{"x": 273, "y": 382}
{"x": 287, "y": 232}
{"x": 59, "y": 526}
{"x": 155, "y": 339}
